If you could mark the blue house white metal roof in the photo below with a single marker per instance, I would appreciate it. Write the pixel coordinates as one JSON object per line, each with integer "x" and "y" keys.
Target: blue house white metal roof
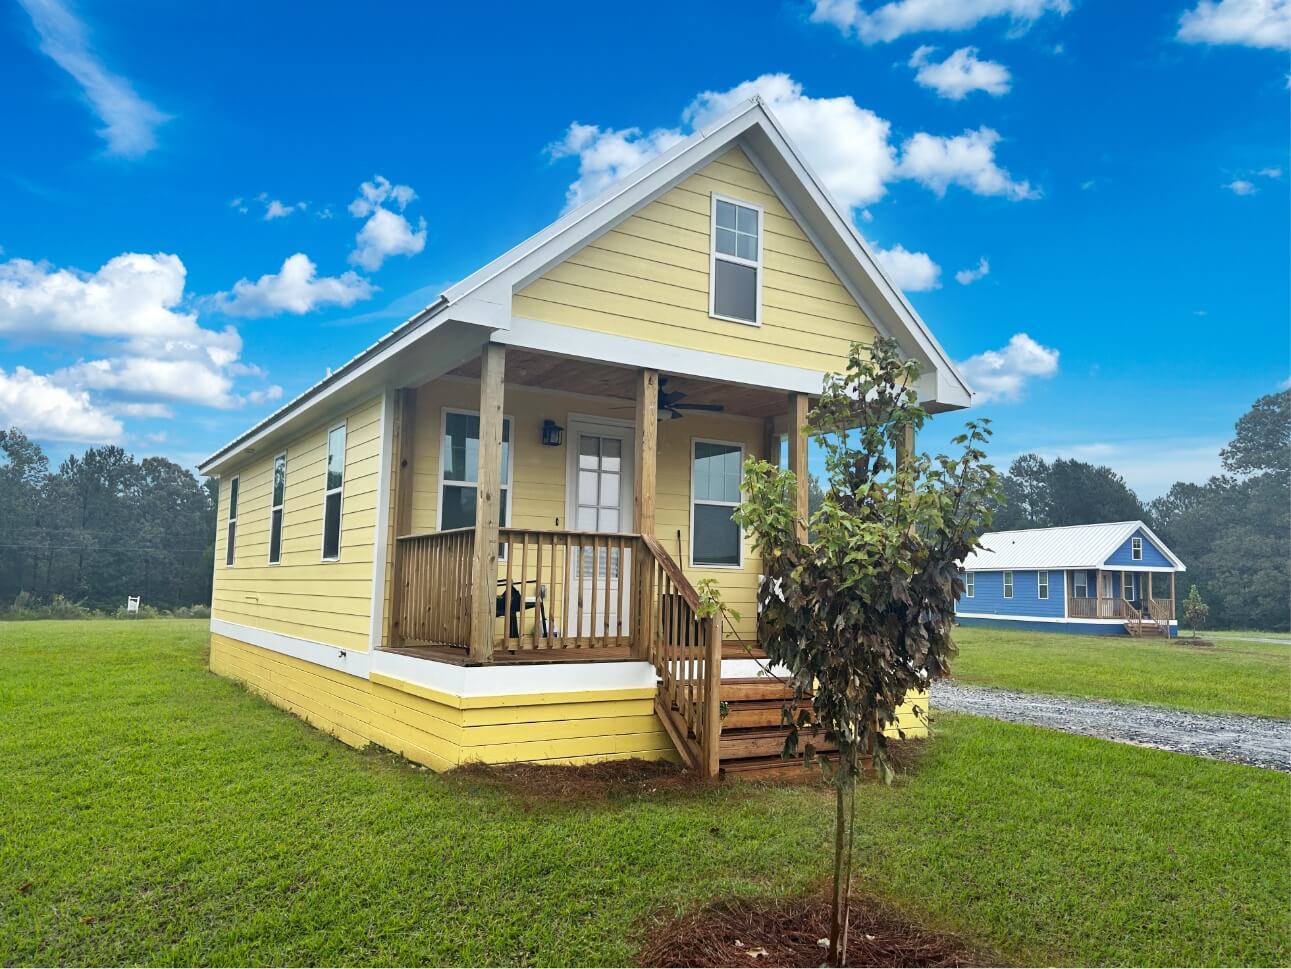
{"x": 1062, "y": 547}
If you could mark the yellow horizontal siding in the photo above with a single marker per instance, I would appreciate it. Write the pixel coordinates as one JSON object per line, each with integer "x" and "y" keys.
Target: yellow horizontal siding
{"x": 563, "y": 727}
{"x": 648, "y": 278}
{"x": 329, "y": 602}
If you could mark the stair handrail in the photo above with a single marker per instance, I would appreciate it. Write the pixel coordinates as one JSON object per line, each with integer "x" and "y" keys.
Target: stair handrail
{"x": 689, "y": 697}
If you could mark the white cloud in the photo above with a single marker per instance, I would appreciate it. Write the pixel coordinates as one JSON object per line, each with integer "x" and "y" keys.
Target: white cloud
{"x": 296, "y": 288}
{"x": 960, "y": 74}
{"x": 846, "y": 145}
{"x": 1241, "y": 186}
{"x": 270, "y": 393}
{"x": 913, "y": 272}
{"x": 901, "y": 17}
{"x": 152, "y": 351}
{"x": 386, "y": 232}
{"x": 276, "y": 209}
{"x": 129, "y": 122}
{"x": 135, "y": 409}
{"x": 1285, "y": 385}
{"x": 967, "y": 160}
{"x": 966, "y": 276}
{"x": 1002, "y": 375}
{"x": 1271, "y": 172}
{"x": 1249, "y": 23}
{"x": 46, "y": 411}
{"x": 133, "y": 294}
{"x": 605, "y": 156}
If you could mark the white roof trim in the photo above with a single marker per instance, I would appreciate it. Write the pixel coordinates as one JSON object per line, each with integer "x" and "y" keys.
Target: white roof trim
{"x": 483, "y": 297}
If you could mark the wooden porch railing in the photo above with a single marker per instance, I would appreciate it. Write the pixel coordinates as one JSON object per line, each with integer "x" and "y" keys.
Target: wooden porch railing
{"x": 1102, "y": 607}
{"x": 431, "y": 596}
{"x": 686, "y": 651}
{"x": 561, "y": 590}
{"x": 1162, "y": 610}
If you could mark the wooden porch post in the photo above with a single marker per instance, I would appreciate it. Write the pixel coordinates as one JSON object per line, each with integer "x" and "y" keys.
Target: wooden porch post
{"x": 770, "y": 441}
{"x": 1173, "y": 607}
{"x": 1149, "y": 595}
{"x": 488, "y": 502}
{"x": 798, "y": 457}
{"x": 647, "y": 415}
{"x": 405, "y": 417}
{"x": 905, "y": 448}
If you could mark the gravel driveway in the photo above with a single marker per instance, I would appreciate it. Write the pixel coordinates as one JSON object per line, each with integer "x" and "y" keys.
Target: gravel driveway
{"x": 1258, "y": 741}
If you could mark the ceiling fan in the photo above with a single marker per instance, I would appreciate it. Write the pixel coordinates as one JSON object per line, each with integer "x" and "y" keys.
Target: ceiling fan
{"x": 671, "y": 408}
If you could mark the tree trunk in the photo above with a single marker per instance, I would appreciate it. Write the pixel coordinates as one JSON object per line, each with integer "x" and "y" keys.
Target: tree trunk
{"x": 838, "y": 915}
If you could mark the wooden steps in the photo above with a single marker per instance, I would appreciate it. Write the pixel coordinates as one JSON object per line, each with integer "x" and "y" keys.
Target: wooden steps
{"x": 753, "y": 731}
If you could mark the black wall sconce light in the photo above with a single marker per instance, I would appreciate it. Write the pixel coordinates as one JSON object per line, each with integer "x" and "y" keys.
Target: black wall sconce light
{"x": 552, "y": 434}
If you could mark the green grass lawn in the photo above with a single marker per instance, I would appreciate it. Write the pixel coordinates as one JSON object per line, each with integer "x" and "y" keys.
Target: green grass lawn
{"x": 1236, "y": 634}
{"x": 155, "y": 813}
{"x": 1233, "y": 677}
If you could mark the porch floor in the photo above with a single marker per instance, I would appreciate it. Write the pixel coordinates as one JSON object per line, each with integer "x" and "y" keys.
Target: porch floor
{"x": 458, "y": 655}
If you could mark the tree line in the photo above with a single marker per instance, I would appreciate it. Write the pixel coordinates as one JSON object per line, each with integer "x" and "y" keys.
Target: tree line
{"x": 1233, "y": 532}
{"x": 102, "y": 527}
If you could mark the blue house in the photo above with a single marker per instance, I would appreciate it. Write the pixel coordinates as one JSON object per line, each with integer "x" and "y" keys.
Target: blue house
{"x": 1105, "y": 579}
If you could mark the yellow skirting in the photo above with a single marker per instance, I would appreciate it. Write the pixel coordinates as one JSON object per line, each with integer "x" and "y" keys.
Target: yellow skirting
{"x": 441, "y": 731}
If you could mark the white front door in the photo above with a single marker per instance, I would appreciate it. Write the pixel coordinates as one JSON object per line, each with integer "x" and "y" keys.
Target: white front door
{"x": 599, "y": 488}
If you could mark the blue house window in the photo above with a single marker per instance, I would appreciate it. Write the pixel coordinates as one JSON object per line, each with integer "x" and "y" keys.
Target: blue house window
{"x": 1136, "y": 549}
{"x": 1043, "y": 580}
{"x": 970, "y": 584}
{"x": 1008, "y": 585}
{"x": 1080, "y": 581}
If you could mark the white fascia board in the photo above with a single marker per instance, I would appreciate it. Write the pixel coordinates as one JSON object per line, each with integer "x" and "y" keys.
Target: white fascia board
{"x": 845, "y": 236}
{"x": 575, "y": 229}
{"x": 411, "y": 359}
{"x": 630, "y": 352}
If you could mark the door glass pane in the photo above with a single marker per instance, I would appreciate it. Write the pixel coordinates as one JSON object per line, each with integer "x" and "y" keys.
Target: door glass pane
{"x": 611, "y": 453}
{"x": 587, "y": 487}
{"x": 586, "y": 519}
{"x": 609, "y": 520}
{"x": 717, "y": 538}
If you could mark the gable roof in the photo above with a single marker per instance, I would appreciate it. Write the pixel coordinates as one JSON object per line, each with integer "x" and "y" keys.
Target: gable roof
{"x": 1062, "y": 547}
{"x": 480, "y": 304}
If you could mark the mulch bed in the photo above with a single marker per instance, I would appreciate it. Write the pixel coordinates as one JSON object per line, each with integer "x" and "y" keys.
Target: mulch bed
{"x": 609, "y": 780}
{"x": 787, "y": 932}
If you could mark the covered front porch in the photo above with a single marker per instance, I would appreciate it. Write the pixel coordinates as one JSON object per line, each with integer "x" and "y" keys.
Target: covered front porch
{"x": 1143, "y": 598}
{"x": 496, "y": 460}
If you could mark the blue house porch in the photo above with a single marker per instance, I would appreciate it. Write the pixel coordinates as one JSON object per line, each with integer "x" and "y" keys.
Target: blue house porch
{"x": 1105, "y": 579}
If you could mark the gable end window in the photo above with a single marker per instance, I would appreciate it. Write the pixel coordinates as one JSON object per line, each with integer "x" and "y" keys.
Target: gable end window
{"x": 970, "y": 584}
{"x": 275, "y": 513}
{"x": 233, "y": 521}
{"x": 333, "y": 493}
{"x": 1042, "y": 580}
{"x": 735, "y": 270}
{"x": 1008, "y": 585}
{"x": 715, "y": 473}
{"x": 1136, "y": 549}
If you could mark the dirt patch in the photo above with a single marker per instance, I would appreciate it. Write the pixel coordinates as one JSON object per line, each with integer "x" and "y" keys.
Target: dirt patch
{"x": 610, "y": 780}
{"x": 1188, "y": 642}
{"x": 787, "y": 932}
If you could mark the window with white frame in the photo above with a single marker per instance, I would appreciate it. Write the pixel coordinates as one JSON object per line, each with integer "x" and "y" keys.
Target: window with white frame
{"x": 275, "y": 512}
{"x": 716, "y": 469}
{"x": 1080, "y": 584}
{"x": 459, "y": 470}
{"x": 1136, "y": 549}
{"x": 233, "y": 521}
{"x": 1008, "y": 585}
{"x": 333, "y": 493}
{"x": 735, "y": 277}
{"x": 1042, "y": 584}
{"x": 1127, "y": 586}
{"x": 970, "y": 584}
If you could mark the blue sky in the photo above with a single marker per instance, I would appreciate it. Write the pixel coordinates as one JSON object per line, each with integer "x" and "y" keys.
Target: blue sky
{"x": 202, "y": 207}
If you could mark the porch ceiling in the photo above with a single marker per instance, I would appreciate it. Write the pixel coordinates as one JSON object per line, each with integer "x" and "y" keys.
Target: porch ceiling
{"x": 528, "y": 368}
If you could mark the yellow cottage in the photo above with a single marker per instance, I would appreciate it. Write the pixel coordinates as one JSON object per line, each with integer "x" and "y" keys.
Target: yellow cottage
{"x": 479, "y": 538}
